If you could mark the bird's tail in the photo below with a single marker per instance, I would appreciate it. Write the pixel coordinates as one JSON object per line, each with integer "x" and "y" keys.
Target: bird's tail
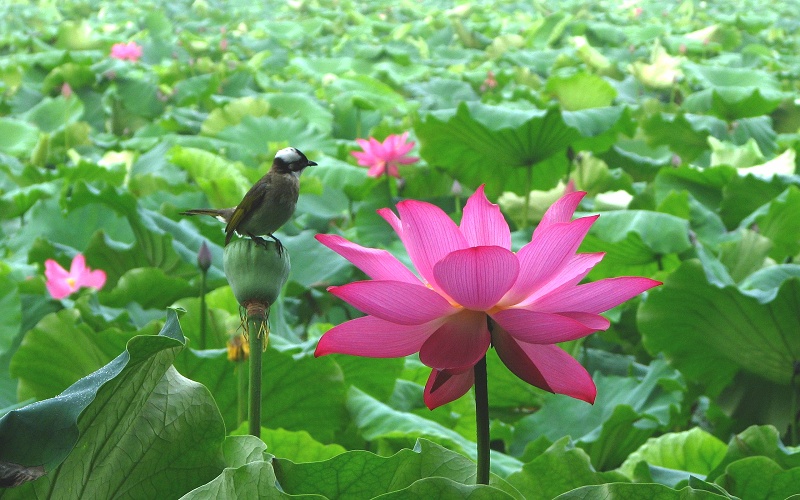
{"x": 202, "y": 211}
{"x": 221, "y": 215}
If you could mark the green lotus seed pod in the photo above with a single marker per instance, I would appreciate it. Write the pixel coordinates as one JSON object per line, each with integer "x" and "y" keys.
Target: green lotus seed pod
{"x": 255, "y": 271}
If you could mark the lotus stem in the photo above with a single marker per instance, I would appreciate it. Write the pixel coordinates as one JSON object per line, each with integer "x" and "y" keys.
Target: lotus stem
{"x": 482, "y": 421}
{"x": 257, "y": 334}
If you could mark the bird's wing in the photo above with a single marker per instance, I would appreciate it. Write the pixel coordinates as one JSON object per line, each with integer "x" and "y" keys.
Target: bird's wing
{"x": 240, "y": 213}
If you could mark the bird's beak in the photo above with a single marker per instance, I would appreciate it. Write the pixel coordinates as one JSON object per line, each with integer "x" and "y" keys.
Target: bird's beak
{"x": 312, "y": 163}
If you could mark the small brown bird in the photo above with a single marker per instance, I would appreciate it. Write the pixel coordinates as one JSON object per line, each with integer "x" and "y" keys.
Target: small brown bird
{"x": 269, "y": 204}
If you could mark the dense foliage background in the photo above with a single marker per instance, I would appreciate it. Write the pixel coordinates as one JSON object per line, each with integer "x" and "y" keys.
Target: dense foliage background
{"x": 680, "y": 119}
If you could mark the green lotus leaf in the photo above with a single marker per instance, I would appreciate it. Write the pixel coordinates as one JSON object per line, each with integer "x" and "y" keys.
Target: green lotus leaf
{"x": 716, "y": 325}
{"x": 167, "y": 439}
{"x": 694, "y": 451}
{"x": 515, "y": 144}
{"x": 581, "y": 91}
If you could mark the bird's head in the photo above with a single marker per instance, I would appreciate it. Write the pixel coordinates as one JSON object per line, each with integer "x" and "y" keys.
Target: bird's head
{"x": 291, "y": 160}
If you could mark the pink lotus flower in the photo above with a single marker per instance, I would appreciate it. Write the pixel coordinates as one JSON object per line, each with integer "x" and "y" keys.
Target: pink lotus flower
{"x": 468, "y": 275}
{"x": 66, "y": 90}
{"x": 61, "y": 283}
{"x": 130, "y": 51}
{"x": 383, "y": 158}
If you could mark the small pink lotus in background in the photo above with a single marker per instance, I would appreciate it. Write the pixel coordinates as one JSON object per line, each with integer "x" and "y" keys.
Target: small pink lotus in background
{"x": 490, "y": 82}
{"x": 130, "y": 51}
{"x": 66, "y": 90}
{"x": 61, "y": 283}
{"x": 382, "y": 158}
{"x": 472, "y": 292}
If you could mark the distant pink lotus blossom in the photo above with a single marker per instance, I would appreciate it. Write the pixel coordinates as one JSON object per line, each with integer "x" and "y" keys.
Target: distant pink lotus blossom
{"x": 62, "y": 283}
{"x": 382, "y": 158}
{"x": 490, "y": 82}
{"x": 130, "y": 51}
{"x": 66, "y": 90}
{"x": 473, "y": 292}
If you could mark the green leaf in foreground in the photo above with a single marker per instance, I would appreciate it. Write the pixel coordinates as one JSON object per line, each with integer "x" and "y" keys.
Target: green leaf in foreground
{"x": 716, "y": 325}
{"x": 361, "y": 474}
{"x": 630, "y": 491}
{"x": 694, "y": 451}
{"x": 561, "y": 468}
{"x": 376, "y": 420}
{"x": 133, "y": 428}
{"x": 514, "y": 142}
{"x": 626, "y": 413}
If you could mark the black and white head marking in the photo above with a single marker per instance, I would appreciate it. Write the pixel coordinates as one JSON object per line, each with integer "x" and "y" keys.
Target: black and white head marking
{"x": 289, "y": 155}
{"x": 292, "y": 160}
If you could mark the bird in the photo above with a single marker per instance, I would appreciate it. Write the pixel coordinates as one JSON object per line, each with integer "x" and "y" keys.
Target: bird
{"x": 269, "y": 204}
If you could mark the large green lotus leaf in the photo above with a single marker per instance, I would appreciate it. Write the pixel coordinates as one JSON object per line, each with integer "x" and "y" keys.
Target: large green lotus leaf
{"x": 313, "y": 264}
{"x": 636, "y": 242}
{"x": 17, "y": 202}
{"x": 441, "y": 93}
{"x": 221, "y": 180}
{"x": 759, "y": 478}
{"x": 581, "y": 91}
{"x": 560, "y": 468}
{"x": 685, "y": 134}
{"x": 262, "y": 136}
{"x": 297, "y": 105}
{"x": 624, "y": 491}
{"x": 758, "y": 440}
{"x": 694, "y": 451}
{"x": 140, "y": 97}
{"x": 132, "y": 428}
{"x": 340, "y": 175}
{"x": 375, "y": 376}
{"x": 34, "y": 308}
{"x": 10, "y": 309}
{"x": 731, "y": 92}
{"x": 732, "y": 103}
{"x": 17, "y": 138}
{"x": 628, "y": 410}
{"x": 509, "y": 393}
{"x": 64, "y": 335}
{"x": 211, "y": 368}
{"x": 377, "y": 421}
{"x": 744, "y": 255}
{"x": 297, "y": 446}
{"x": 758, "y": 128}
{"x": 159, "y": 241}
{"x": 301, "y": 392}
{"x": 367, "y": 93}
{"x": 444, "y": 488}
{"x": 707, "y": 76}
{"x": 232, "y": 113}
{"x": 636, "y": 158}
{"x": 361, "y": 474}
{"x": 716, "y": 325}
{"x": 137, "y": 285}
{"x": 663, "y": 233}
{"x": 54, "y": 113}
{"x": 297, "y": 389}
{"x": 251, "y": 481}
{"x": 195, "y": 90}
{"x": 742, "y": 195}
{"x": 324, "y": 205}
{"x": 706, "y": 185}
{"x": 739, "y": 157}
{"x": 476, "y": 138}
{"x": 219, "y": 322}
{"x": 779, "y": 221}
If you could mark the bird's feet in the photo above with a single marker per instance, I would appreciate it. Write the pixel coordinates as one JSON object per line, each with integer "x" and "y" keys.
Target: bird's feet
{"x": 261, "y": 241}
{"x": 278, "y": 244}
